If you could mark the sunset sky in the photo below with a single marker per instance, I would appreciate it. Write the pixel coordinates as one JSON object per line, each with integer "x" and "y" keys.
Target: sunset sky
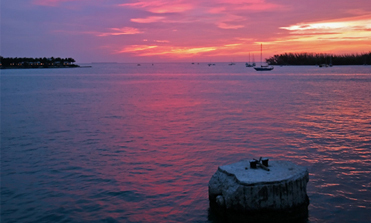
{"x": 182, "y": 30}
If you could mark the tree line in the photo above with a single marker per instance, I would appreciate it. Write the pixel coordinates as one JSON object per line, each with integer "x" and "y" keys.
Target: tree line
{"x": 42, "y": 62}
{"x": 319, "y": 58}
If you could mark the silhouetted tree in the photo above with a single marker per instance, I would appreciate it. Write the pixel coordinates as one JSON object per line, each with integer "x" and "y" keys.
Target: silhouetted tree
{"x": 25, "y": 62}
{"x": 320, "y": 58}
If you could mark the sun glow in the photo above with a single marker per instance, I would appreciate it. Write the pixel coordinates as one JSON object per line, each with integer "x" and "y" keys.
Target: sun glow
{"x": 354, "y": 28}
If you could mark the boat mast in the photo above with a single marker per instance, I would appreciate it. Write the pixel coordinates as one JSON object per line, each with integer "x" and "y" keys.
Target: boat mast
{"x": 261, "y": 54}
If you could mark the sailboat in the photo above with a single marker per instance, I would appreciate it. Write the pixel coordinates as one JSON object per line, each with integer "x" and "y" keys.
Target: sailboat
{"x": 263, "y": 67}
{"x": 250, "y": 64}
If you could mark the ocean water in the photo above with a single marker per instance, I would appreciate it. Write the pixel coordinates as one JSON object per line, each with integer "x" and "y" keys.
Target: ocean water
{"x": 129, "y": 143}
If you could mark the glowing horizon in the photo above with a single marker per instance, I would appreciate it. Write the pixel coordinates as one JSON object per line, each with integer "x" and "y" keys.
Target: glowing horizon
{"x": 163, "y": 30}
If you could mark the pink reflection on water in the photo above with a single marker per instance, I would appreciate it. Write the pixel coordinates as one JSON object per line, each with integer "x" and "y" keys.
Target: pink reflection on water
{"x": 175, "y": 133}
{"x": 159, "y": 163}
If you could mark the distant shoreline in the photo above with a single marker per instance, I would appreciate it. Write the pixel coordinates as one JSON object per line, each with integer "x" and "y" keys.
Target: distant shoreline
{"x": 13, "y": 67}
{"x": 36, "y": 63}
{"x": 319, "y": 59}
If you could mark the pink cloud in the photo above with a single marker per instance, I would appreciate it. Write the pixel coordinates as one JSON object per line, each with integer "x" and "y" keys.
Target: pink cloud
{"x": 195, "y": 28}
{"x": 216, "y": 10}
{"x": 252, "y": 5}
{"x": 149, "y": 19}
{"x": 49, "y": 2}
{"x": 221, "y": 13}
{"x": 201, "y": 6}
{"x": 223, "y": 25}
{"x": 161, "y": 41}
{"x": 161, "y": 6}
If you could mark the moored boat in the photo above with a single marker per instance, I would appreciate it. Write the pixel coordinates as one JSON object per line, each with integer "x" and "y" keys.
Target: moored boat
{"x": 263, "y": 67}
{"x": 249, "y": 64}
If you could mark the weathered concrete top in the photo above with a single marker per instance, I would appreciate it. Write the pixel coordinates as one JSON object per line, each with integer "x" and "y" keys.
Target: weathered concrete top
{"x": 279, "y": 171}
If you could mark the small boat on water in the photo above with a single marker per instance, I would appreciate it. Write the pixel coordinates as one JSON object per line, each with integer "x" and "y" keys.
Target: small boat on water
{"x": 263, "y": 67}
{"x": 325, "y": 64}
{"x": 250, "y": 64}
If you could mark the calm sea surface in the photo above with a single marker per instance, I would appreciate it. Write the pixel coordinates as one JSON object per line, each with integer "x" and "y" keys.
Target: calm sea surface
{"x": 128, "y": 143}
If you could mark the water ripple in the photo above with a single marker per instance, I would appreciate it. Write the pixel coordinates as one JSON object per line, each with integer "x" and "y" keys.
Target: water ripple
{"x": 122, "y": 145}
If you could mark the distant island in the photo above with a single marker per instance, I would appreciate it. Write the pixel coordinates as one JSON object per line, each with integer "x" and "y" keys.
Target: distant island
{"x": 26, "y": 62}
{"x": 319, "y": 59}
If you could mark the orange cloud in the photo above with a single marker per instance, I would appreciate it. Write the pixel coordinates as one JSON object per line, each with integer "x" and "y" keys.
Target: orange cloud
{"x": 151, "y": 50}
{"x": 187, "y": 50}
{"x": 344, "y": 35}
{"x": 121, "y": 31}
{"x": 184, "y": 52}
{"x": 135, "y": 48}
{"x": 233, "y": 45}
